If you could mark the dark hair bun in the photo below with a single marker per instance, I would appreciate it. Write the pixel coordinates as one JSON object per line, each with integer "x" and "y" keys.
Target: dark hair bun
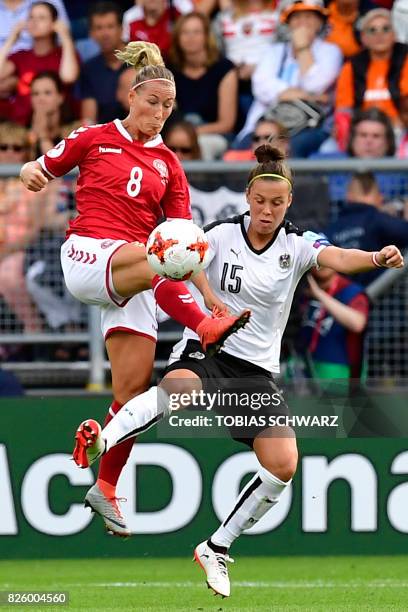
{"x": 267, "y": 153}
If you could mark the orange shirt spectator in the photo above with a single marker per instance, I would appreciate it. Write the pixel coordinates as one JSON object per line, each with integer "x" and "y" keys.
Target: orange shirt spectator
{"x": 376, "y": 91}
{"x": 381, "y": 55}
{"x": 342, "y": 16}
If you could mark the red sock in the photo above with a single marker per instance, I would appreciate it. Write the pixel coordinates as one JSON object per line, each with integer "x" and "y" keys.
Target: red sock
{"x": 112, "y": 464}
{"x": 176, "y": 301}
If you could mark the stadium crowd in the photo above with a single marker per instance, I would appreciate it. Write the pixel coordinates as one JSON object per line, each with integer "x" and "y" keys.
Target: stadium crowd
{"x": 306, "y": 65}
{"x": 321, "y": 80}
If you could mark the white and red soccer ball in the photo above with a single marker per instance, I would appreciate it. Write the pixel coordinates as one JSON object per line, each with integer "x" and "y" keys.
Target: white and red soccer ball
{"x": 177, "y": 249}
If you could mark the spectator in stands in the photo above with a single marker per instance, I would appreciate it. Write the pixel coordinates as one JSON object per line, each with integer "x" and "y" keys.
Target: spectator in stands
{"x": 100, "y": 75}
{"x": 13, "y": 12}
{"x": 155, "y": 24}
{"x": 335, "y": 315}
{"x": 44, "y": 27}
{"x": 361, "y": 224}
{"x": 19, "y": 224}
{"x": 305, "y": 68}
{"x": 246, "y": 31}
{"x": 341, "y": 25}
{"x": 403, "y": 135}
{"x": 50, "y": 112}
{"x": 371, "y": 135}
{"x": 43, "y": 268}
{"x": 400, "y": 20}
{"x": 378, "y": 75}
{"x": 207, "y": 84}
{"x": 154, "y": 18}
{"x": 125, "y": 82}
{"x": 266, "y": 130}
{"x": 182, "y": 139}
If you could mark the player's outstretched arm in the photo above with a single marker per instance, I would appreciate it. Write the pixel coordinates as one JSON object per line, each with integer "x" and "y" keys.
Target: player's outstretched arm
{"x": 210, "y": 299}
{"x": 33, "y": 177}
{"x": 352, "y": 261}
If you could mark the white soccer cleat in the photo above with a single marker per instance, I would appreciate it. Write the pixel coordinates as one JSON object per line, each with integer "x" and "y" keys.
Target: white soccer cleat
{"x": 89, "y": 444}
{"x": 109, "y": 510}
{"x": 215, "y": 566}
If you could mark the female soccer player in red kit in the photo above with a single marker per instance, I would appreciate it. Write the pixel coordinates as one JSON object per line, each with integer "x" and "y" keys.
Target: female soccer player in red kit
{"x": 128, "y": 180}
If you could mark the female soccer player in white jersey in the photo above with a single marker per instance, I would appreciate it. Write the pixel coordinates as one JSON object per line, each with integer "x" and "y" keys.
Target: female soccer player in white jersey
{"x": 258, "y": 259}
{"x": 128, "y": 180}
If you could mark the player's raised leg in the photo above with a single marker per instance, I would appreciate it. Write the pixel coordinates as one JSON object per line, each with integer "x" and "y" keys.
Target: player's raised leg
{"x": 131, "y": 356}
{"x": 277, "y": 454}
{"x": 131, "y": 274}
{"x": 137, "y": 416}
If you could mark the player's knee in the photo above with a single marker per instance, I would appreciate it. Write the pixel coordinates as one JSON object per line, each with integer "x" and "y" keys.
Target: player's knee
{"x": 128, "y": 387}
{"x": 283, "y": 467}
{"x": 173, "y": 382}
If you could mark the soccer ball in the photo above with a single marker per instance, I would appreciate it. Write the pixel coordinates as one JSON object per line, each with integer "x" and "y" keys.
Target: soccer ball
{"x": 177, "y": 249}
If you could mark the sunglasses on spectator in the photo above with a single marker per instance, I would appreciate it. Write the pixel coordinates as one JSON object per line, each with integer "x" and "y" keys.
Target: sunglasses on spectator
{"x": 385, "y": 29}
{"x": 11, "y": 147}
{"x": 184, "y": 150}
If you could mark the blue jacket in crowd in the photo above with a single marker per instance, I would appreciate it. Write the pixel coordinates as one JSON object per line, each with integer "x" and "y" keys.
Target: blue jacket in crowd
{"x": 361, "y": 226}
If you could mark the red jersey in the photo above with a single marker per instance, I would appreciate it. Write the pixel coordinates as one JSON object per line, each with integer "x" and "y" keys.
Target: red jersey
{"x": 124, "y": 186}
{"x": 159, "y": 33}
{"x": 28, "y": 65}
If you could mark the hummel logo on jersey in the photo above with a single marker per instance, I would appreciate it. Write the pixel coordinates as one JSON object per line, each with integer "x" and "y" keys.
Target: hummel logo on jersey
{"x": 236, "y": 253}
{"x": 186, "y": 298}
{"x": 81, "y": 256}
{"x": 109, "y": 150}
{"x": 107, "y": 243}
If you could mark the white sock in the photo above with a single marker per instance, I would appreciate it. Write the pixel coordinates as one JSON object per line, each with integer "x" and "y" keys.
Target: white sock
{"x": 255, "y": 500}
{"x": 137, "y": 416}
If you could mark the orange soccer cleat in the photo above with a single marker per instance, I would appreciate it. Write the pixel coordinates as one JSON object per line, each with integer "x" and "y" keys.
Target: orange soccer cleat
{"x": 89, "y": 444}
{"x": 214, "y": 330}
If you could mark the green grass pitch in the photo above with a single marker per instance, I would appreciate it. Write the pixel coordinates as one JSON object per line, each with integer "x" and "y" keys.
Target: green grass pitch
{"x": 258, "y": 583}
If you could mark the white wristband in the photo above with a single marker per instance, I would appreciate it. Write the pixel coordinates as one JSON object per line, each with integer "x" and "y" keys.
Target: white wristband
{"x": 374, "y": 259}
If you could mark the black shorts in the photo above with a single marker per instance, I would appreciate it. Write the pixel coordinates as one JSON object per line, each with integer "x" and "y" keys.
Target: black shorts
{"x": 228, "y": 375}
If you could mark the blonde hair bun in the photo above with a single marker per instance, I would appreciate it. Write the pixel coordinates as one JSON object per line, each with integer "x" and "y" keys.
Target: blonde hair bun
{"x": 140, "y": 54}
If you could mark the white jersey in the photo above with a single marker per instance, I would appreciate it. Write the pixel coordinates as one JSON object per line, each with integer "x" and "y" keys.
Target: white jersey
{"x": 248, "y": 37}
{"x": 262, "y": 280}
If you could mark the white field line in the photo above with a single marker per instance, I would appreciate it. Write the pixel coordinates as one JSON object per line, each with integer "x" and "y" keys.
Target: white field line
{"x": 317, "y": 584}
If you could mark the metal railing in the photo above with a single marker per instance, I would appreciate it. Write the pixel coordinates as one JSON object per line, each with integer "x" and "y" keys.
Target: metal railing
{"x": 390, "y": 289}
